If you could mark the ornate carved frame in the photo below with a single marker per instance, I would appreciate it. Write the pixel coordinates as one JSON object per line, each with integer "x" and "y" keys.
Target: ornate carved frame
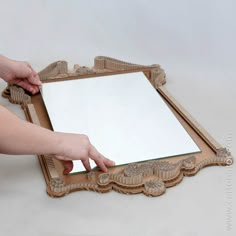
{"x": 150, "y": 177}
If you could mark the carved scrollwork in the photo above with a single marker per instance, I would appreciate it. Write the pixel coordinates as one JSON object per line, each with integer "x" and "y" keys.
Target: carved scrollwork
{"x": 104, "y": 179}
{"x": 158, "y": 76}
{"x": 153, "y": 177}
{"x": 84, "y": 71}
{"x": 16, "y": 95}
{"x": 154, "y": 187}
{"x": 57, "y": 184}
{"x": 53, "y": 70}
{"x": 223, "y": 152}
{"x": 103, "y": 62}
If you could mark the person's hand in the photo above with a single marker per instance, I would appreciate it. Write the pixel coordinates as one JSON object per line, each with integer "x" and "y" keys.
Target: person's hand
{"x": 19, "y": 73}
{"x": 78, "y": 147}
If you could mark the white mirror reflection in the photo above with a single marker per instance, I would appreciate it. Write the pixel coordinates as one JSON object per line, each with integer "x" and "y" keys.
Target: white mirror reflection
{"x": 124, "y": 117}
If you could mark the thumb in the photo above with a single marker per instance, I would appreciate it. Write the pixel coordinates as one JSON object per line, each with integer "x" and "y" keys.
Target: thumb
{"x": 68, "y": 166}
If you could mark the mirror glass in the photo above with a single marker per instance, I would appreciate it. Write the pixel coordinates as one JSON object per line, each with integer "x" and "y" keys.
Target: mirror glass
{"x": 124, "y": 117}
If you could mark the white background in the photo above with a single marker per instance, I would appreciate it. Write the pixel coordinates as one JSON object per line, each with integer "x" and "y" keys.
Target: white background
{"x": 194, "y": 41}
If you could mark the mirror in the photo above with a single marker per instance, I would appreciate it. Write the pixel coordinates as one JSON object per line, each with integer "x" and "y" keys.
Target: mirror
{"x": 124, "y": 117}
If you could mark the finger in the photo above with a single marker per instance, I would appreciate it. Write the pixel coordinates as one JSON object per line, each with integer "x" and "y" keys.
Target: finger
{"x": 36, "y": 90}
{"x": 86, "y": 164}
{"x": 107, "y": 161}
{"x": 34, "y": 79}
{"x": 24, "y": 85}
{"x": 97, "y": 158}
{"x": 99, "y": 162}
{"x": 68, "y": 166}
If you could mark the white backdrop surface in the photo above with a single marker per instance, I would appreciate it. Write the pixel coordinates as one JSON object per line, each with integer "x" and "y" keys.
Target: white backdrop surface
{"x": 194, "y": 41}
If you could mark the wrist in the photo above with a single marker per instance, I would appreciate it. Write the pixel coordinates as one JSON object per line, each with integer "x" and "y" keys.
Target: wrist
{"x": 57, "y": 143}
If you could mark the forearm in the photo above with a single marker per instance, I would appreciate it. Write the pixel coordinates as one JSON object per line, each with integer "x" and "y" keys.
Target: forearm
{"x": 21, "y": 137}
{"x": 4, "y": 62}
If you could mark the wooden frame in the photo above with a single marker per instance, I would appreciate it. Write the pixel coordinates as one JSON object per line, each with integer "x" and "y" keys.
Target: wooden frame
{"x": 151, "y": 177}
